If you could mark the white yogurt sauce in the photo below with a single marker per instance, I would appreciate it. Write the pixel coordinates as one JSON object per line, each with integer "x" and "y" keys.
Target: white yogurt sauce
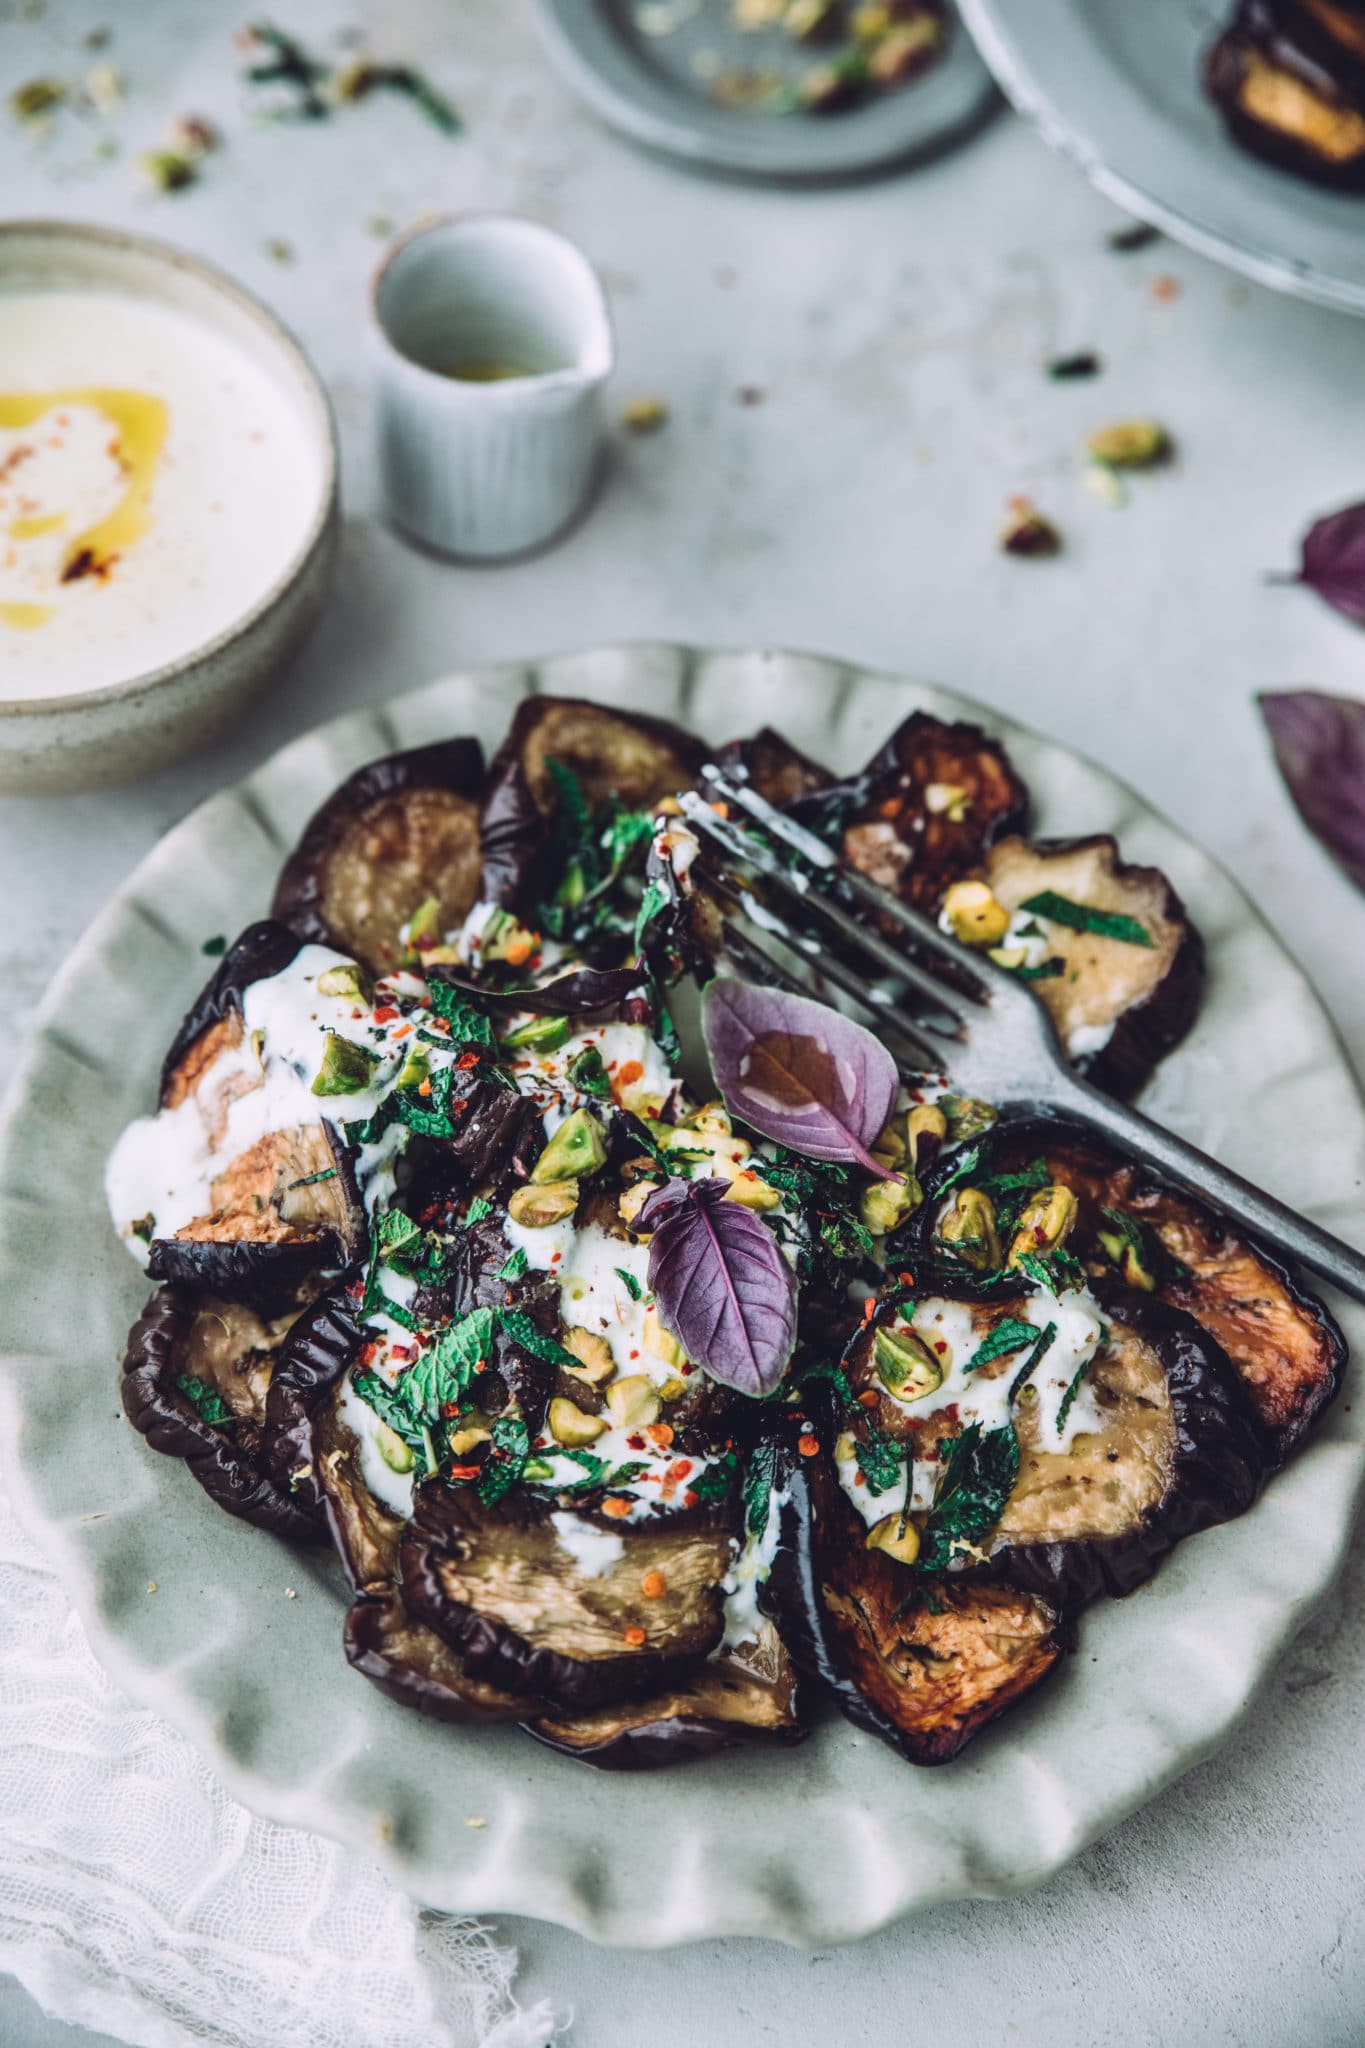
{"x": 234, "y": 489}
{"x": 593, "y": 1550}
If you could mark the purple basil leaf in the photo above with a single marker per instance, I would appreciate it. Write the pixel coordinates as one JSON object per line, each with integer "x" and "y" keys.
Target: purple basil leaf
{"x": 1333, "y": 560}
{"x": 721, "y": 1284}
{"x": 802, "y": 1074}
{"x": 1319, "y": 744}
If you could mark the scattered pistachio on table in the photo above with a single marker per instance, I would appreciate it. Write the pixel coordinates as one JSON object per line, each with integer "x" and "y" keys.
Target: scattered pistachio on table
{"x": 643, "y": 415}
{"x": 1131, "y": 444}
{"x": 1028, "y": 532}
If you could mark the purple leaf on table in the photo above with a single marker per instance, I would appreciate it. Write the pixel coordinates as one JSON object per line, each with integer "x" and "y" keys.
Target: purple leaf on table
{"x": 1319, "y": 744}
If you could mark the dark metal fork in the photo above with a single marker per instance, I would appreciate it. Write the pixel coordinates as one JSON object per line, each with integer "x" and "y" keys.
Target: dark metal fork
{"x": 981, "y": 1026}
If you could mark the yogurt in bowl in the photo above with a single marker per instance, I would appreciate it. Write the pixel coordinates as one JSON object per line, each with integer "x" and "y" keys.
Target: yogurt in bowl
{"x": 167, "y": 502}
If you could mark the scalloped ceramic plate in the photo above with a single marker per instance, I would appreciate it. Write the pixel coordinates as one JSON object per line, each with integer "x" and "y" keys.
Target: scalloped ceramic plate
{"x": 818, "y": 1844}
{"x": 1118, "y": 88}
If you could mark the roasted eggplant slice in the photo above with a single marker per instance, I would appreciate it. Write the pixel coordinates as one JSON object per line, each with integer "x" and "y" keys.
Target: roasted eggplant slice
{"x": 1158, "y": 1440}
{"x": 1118, "y": 1005}
{"x": 1284, "y": 1344}
{"x": 548, "y": 1601}
{"x": 213, "y": 1022}
{"x": 742, "y": 1695}
{"x": 400, "y": 834}
{"x": 924, "y": 811}
{"x": 770, "y": 764}
{"x": 415, "y": 1667}
{"x": 196, "y": 1375}
{"x": 923, "y": 1662}
{"x": 635, "y": 761}
{"x": 1289, "y": 79}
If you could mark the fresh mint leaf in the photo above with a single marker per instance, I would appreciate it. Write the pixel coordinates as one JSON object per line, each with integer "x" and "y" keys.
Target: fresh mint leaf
{"x": 1008, "y": 1335}
{"x": 468, "y": 1024}
{"x": 880, "y": 1459}
{"x": 711, "y": 1485}
{"x": 514, "y": 1265}
{"x": 756, "y": 1491}
{"x": 588, "y": 1074}
{"x": 1084, "y": 917}
{"x": 653, "y": 902}
{"x": 594, "y": 1469}
{"x": 443, "y": 1373}
{"x": 622, "y": 1475}
{"x": 507, "y": 1454}
{"x": 214, "y": 947}
{"x": 629, "y": 1282}
{"x": 1069, "y": 1396}
{"x": 1045, "y": 1340}
{"x": 312, "y": 1180}
{"x": 391, "y": 1406}
{"x": 527, "y": 1337}
{"x": 397, "y": 1233}
{"x": 478, "y": 1209}
{"x": 207, "y": 1402}
{"x": 978, "y": 1477}
{"x": 1053, "y": 1271}
{"x": 572, "y": 817}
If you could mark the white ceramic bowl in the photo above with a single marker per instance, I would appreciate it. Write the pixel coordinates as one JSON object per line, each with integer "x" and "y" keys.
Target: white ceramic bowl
{"x": 130, "y": 727}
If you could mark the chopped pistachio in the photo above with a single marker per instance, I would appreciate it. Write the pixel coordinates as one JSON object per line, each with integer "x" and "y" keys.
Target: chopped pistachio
{"x": 673, "y": 1388}
{"x": 969, "y": 1228}
{"x": 643, "y": 415}
{"x": 967, "y": 1118}
{"x": 537, "y": 1207}
{"x": 424, "y": 926}
{"x": 884, "y": 1204}
{"x": 104, "y": 86}
{"x": 896, "y": 1536}
{"x": 661, "y": 1343}
{"x": 904, "y": 1363}
{"x": 569, "y": 1425}
{"x": 974, "y": 914}
{"x": 345, "y": 1069}
{"x": 191, "y": 135}
{"x": 1131, "y": 444}
{"x": 1047, "y": 1221}
{"x": 167, "y": 170}
{"x": 750, "y": 15}
{"x": 398, "y": 1456}
{"x": 577, "y": 1147}
{"x": 751, "y": 1191}
{"x": 1123, "y": 1253}
{"x": 926, "y": 1127}
{"x": 464, "y": 1440}
{"x": 634, "y": 1198}
{"x": 828, "y": 86}
{"x": 593, "y": 1353}
{"x": 542, "y": 1034}
{"x": 415, "y": 1070}
{"x": 349, "y": 979}
{"x": 36, "y": 97}
{"x": 633, "y": 1402}
{"x": 1028, "y": 532}
{"x": 948, "y": 800}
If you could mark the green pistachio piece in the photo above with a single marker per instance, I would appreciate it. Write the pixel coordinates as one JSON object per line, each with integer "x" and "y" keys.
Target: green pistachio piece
{"x": 542, "y": 1034}
{"x": 347, "y": 979}
{"x": 969, "y": 1228}
{"x": 1046, "y": 1223}
{"x": 905, "y": 1365}
{"x": 577, "y": 1147}
{"x": 346, "y": 1068}
{"x": 398, "y": 1456}
{"x": 885, "y": 1204}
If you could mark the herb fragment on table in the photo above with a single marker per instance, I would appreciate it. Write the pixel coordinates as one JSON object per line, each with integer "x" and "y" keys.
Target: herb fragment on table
{"x": 1128, "y": 241}
{"x": 1131, "y": 444}
{"x": 1332, "y": 563}
{"x": 1070, "y": 369}
{"x": 214, "y": 947}
{"x": 1028, "y": 532}
{"x": 644, "y": 415}
{"x": 1319, "y": 743}
{"x": 1085, "y": 917}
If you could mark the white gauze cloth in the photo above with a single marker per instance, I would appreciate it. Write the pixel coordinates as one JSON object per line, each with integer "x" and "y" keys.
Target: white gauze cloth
{"x": 138, "y": 1898}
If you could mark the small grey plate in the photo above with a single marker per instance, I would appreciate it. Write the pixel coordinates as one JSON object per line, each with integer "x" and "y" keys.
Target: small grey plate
{"x": 646, "y": 87}
{"x": 1118, "y": 88}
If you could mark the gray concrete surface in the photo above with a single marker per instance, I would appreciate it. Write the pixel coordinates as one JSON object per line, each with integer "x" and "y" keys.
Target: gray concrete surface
{"x": 894, "y": 335}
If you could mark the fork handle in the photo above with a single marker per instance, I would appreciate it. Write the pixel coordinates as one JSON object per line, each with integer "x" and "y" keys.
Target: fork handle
{"x": 1247, "y": 1205}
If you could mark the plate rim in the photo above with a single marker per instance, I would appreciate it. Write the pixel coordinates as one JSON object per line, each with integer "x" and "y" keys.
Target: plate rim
{"x": 1013, "y": 73}
{"x": 602, "y": 69}
{"x": 565, "y": 1896}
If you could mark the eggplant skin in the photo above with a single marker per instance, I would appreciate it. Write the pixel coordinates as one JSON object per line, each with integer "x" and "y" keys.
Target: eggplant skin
{"x": 922, "y": 1662}
{"x": 883, "y": 822}
{"x": 466, "y": 1570}
{"x": 634, "y": 758}
{"x": 400, "y": 830}
{"x": 771, "y": 765}
{"x": 315, "y": 1355}
{"x": 1284, "y": 1344}
{"x": 726, "y": 1703}
{"x": 1107, "y": 975}
{"x": 1291, "y": 90}
{"x": 416, "y": 1668}
{"x": 228, "y": 1463}
{"x": 269, "y": 1277}
{"x": 263, "y": 950}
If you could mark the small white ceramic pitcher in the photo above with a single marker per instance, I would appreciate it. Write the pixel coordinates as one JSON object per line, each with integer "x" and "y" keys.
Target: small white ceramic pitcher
{"x": 493, "y": 343}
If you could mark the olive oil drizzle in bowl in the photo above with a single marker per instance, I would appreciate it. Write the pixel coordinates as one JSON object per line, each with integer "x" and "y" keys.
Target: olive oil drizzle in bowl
{"x": 140, "y": 423}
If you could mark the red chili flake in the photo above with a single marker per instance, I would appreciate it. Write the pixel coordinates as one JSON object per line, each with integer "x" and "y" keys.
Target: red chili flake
{"x": 950, "y": 1412}
{"x": 868, "y": 1309}
{"x": 367, "y": 1352}
{"x": 906, "y": 1279}
{"x": 680, "y": 1468}
{"x": 636, "y": 1443}
{"x": 635, "y": 1354}
{"x": 858, "y": 1479}
{"x": 450, "y": 1408}
{"x": 634, "y": 1635}
{"x": 870, "y": 1398}
{"x": 808, "y": 1445}
{"x": 424, "y": 1087}
{"x": 404, "y": 1353}
{"x": 690, "y": 1498}
{"x": 385, "y": 1014}
{"x": 403, "y": 1031}
{"x": 467, "y": 1060}
{"x": 940, "y": 1346}
{"x": 555, "y": 1258}
{"x": 631, "y": 1071}
{"x": 459, "y": 1108}
{"x": 464, "y": 1471}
